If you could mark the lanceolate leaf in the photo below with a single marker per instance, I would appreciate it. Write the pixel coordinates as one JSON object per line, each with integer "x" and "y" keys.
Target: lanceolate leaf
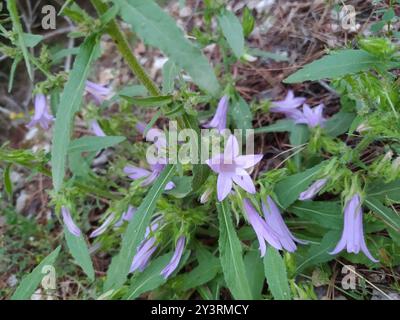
{"x": 387, "y": 214}
{"x": 157, "y": 101}
{"x": 335, "y": 65}
{"x": 241, "y": 114}
{"x": 70, "y": 102}
{"x": 289, "y": 189}
{"x": 30, "y": 282}
{"x": 135, "y": 231}
{"x": 299, "y": 135}
{"x": 233, "y": 32}
{"x": 275, "y": 272}
{"x": 158, "y": 29}
{"x": 279, "y": 126}
{"x": 79, "y": 250}
{"x": 93, "y": 143}
{"x": 384, "y": 191}
{"x": 339, "y": 123}
{"x": 230, "y": 250}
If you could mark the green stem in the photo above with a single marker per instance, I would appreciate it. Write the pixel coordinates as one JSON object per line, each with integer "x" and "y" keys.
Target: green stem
{"x": 123, "y": 46}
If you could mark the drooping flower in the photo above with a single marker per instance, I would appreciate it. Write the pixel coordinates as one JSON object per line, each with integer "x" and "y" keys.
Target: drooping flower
{"x": 311, "y": 117}
{"x": 275, "y": 221}
{"x": 99, "y": 92}
{"x": 230, "y": 167}
{"x": 135, "y": 173}
{"x": 353, "y": 232}
{"x": 96, "y": 129}
{"x": 176, "y": 258}
{"x": 100, "y": 230}
{"x": 313, "y": 190}
{"x": 289, "y": 105}
{"x": 69, "y": 222}
{"x": 146, "y": 248}
{"x": 219, "y": 119}
{"x": 126, "y": 216}
{"x": 41, "y": 115}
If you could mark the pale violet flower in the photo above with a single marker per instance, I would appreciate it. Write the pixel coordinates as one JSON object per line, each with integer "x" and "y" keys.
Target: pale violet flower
{"x": 272, "y": 229}
{"x": 126, "y": 216}
{"x": 289, "y": 105}
{"x": 231, "y": 168}
{"x": 69, "y": 222}
{"x": 353, "y": 232}
{"x": 98, "y": 92}
{"x": 135, "y": 173}
{"x": 311, "y": 117}
{"x": 146, "y": 248}
{"x": 176, "y": 258}
{"x": 41, "y": 116}
{"x": 219, "y": 119}
{"x": 313, "y": 190}
{"x": 96, "y": 129}
{"x": 100, "y": 230}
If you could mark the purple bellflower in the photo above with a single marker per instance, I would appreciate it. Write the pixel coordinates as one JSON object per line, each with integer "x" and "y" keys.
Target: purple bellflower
{"x": 41, "y": 115}
{"x": 311, "y": 117}
{"x": 69, "y": 223}
{"x": 231, "y": 167}
{"x": 100, "y": 230}
{"x": 272, "y": 229}
{"x": 313, "y": 190}
{"x": 126, "y": 216}
{"x": 96, "y": 129}
{"x": 146, "y": 248}
{"x": 176, "y": 258}
{"x": 289, "y": 105}
{"x": 353, "y": 232}
{"x": 98, "y": 92}
{"x": 219, "y": 119}
{"x": 135, "y": 173}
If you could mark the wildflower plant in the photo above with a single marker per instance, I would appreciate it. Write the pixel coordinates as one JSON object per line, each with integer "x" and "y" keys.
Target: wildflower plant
{"x": 180, "y": 228}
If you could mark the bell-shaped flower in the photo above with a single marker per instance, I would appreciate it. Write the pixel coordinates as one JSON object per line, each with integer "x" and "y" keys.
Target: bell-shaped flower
{"x": 100, "y": 230}
{"x": 313, "y": 190}
{"x": 96, "y": 129}
{"x": 69, "y": 222}
{"x": 219, "y": 119}
{"x": 98, "y": 92}
{"x": 150, "y": 176}
{"x": 231, "y": 168}
{"x": 176, "y": 258}
{"x": 311, "y": 117}
{"x": 289, "y": 105}
{"x": 126, "y": 216}
{"x": 41, "y": 115}
{"x": 353, "y": 232}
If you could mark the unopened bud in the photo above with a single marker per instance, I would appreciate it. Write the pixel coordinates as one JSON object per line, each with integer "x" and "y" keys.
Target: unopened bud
{"x": 206, "y": 196}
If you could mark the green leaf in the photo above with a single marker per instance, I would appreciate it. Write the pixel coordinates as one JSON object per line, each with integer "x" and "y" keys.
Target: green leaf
{"x": 319, "y": 253}
{"x": 93, "y": 143}
{"x": 158, "y": 29}
{"x": 382, "y": 191}
{"x": 299, "y": 135}
{"x": 335, "y": 65}
{"x": 146, "y": 102}
{"x": 17, "y": 27}
{"x": 279, "y": 126}
{"x": 30, "y": 282}
{"x": 275, "y": 272}
{"x": 242, "y": 115}
{"x": 230, "y": 250}
{"x": 248, "y": 22}
{"x": 135, "y": 231}
{"x": 289, "y": 189}
{"x": 79, "y": 250}
{"x": 14, "y": 65}
{"x": 7, "y": 180}
{"x": 233, "y": 32}
{"x": 387, "y": 214}
{"x": 326, "y": 214}
{"x": 32, "y": 40}
{"x": 169, "y": 72}
{"x": 339, "y": 123}
{"x": 70, "y": 102}
{"x": 183, "y": 186}
{"x": 255, "y": 272}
